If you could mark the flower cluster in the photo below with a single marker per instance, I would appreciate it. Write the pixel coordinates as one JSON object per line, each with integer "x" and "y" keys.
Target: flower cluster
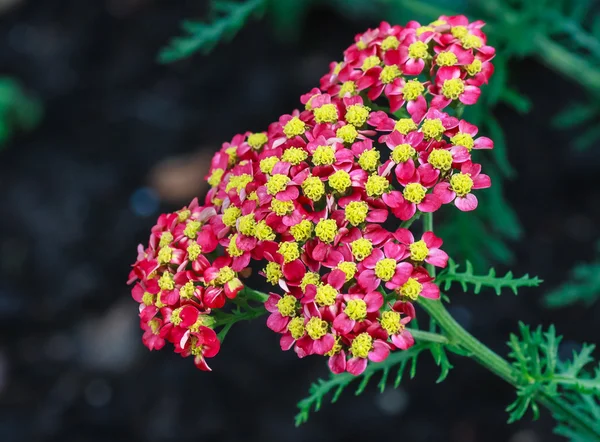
{"x": 315, "y": 195}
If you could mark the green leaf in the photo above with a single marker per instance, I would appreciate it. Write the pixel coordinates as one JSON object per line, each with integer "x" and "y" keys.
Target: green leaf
{"x": 466, "y": 278}
{"x": 575, "y": 114}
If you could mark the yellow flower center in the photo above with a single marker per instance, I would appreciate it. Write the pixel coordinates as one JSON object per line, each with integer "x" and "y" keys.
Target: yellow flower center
{"x": 316, "y": 328}
{"x": 459, "y": 31}
{"x": 215, "y": 177}
{"x": 309, "y": 278}
{"x": 405, "y": 125}
{"x": 356, "y": 309}
{"x": 418, "y": 251}
{"x": 411, "y": 289}
{"x": 418, "y": 49}
{"x": 414, "y": 193}
{"x": 412, "y": 90}
{"x": 474, "y": 68}
{"x": 238, "y": 182}
{"x": 232, "y": 152}
{"x": 247, "y": 224}
{"x": 183, "y": 215}
{"x": 369, "y": 160}
{"x": 390, "y": 42}
{"x": 349, "y": 268}
{"x": 273, "y": 273}
{"x": 361, "y": 345}
{"x": 231, "y": 215}
{"x": 326, "y": 230}
{"x": 402, "y": 153}
{"x": 376, "y": 185}
{"x": 289, "y": 250}
{"x": 462, "y": 139}
{"x": 326, "y": 295}
{"x": 282, "y": 207}
{"x": 294, "y": 155}
{"x": 194, "y": 250}
{"x": 203, "y": 320}
{"x": 347, "y": 133}
{"x": 296, "y": 327}
{"x": 327, "y": 113}
{"x": 277, "y": 183}
{"x": 294, "y": 127}
{"x": 361, "y": 45}
{"x": 470, "y": 41}
{"x": 389, "y": 74}
{"x": 370, "y": 62}
{"x": 232, "y": 248}
{"x": 257, "y": 140}
{"x": 287, "y": 306}
{"x": 148, "y": 298}
{"x": 438, "y": 23}
{"x": 440, "y": 159}
{"x": 165, "y": 282}
{"x": 164, "y": 255}
{"x": 337, "y": 347}
{"x": 340, "y": 181}
{"x": 267, "y": 164}
{"x": 461, "y": 184}
{"x": 361, "y": 248}
{"x": 446, "y": 59}
{"x": 453, "y": 88}
{"x": 313, "y": 188}
{"x": 191, "y": 229}
{"x": 357, "y": 114}
{"x": 422, "y": 29}
{"x": 323, "y": 156}
{"x": 432, "y": 128}
{"x": 264, "y": 232}
{"x": 356, "y": 212}
{"x": 175, "y": 317}
{"x": 385, "y": 269}
{"x": 154, "y": 326}
{"x": 348, "y": 88}
{"x": 165, "y": 239}
{"x": 302, "y": 231}
{"x": 390, "y": 322}
{"x": 187, "y": 290}
{"x": 225, "y": 275}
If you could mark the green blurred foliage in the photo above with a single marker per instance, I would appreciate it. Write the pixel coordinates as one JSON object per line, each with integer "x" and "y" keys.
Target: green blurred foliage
{"x": 19, "y": 111}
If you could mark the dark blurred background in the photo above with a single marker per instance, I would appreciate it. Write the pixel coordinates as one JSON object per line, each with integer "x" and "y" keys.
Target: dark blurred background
{"x": 124, "y": 138}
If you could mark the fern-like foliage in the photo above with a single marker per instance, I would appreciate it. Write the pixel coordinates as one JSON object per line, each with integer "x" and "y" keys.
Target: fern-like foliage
{"x": 583, "y": 286}
{"x": 397, "y": 362}
{"x": 230, "y": 17}
{"x": 468, "y": 277}
{"x": 543, "y": 376}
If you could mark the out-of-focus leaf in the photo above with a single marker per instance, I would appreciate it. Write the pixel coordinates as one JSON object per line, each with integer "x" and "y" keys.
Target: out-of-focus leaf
{"x": 575, "y": 114}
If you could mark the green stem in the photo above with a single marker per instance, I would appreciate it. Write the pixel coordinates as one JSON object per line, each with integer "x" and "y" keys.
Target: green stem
{"x": 424, "y": 336}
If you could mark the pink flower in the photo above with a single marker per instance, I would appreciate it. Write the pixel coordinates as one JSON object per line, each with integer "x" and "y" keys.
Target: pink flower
{"x": 404, "y": 204}
{"x": 464, "y": 135}
{"x": 458, "y": 189}
{"x": 363, "y": 348}
{"x": 427, "y": 249}
{"x": 385, "y": 265}
{"x": 355, "y": 309}
{"x": 394, "y": 323}
{"x": 202, "y": 344}
{"x": 450, "y": 86}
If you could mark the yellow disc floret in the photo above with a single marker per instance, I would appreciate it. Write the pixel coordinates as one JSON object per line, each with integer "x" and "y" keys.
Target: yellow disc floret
{"x": 267, "y": 164}
{"x": 164, "y": 255}
{"x": 474, "y": 68}
{"x": 187, "y": 290}
{"x": 459, "y": 31}
{"x": 273, "y": 273}
{"x": 183, "y": 215}
{"x": 356, "y": 309}
{"x": 323, "y": 156}
{"x": 422, "y": 29}
{"x": 316, "y": 328}
{"x": 414, "y": 193}
{"x": 313, "y": 188}
{"x": 289, "y": 250}
{"x": 238, "y": 182}
{"x": 327, "y": 113}
{"x": 361, "y": 248}
{"x": 175, "y": 318}
{"x": 231, "y": 215}
{"x": 277, "y": 183}
{"x": 418, "y": 251}
{"x": 194, "y": 250}
{"x": 432, "y": 128}
{"x": 471, "y": 41}
{"x": 376, "y": 185}
{"x": 463, "y": 139}
{"x": 389, "y": 74}
{"x": 191, "y": 229}
{"x": 453, "y": 88}
{"x": 412, "y": 90}
{"x": 440, "y": 159}
{"x": 418, "y": 49}
{"x": 461, "y": 184}
{"x": 294, "y": 127}
{"x": 165, "y": 239}
{"x": 340, "y": 181}
{"x": 390, "y": 322}
{"x": 225, "y": 275}
{"x": 385, "y": 269}
{"x": 405, "y": 125}
{"x": 446, "y": 58}
{"x": 390, "y": 42}
{"x": 232, "y": 248}
{"x": 361, "y": 345}
{"x": 302, "y": 231}
{"x": 356, "y": 212}
{"x": 287, "y": 306}
{"x": 148, "y": 298}
{"x": 264, "y": 232}
{"x": 309, "y": 278}
{"x": 296, "y": 327}
{"x": 347, "y": 133}
{"x": 402, "y": 153}
{"x": 247, "y": 224}
{"x": 282, "y": 208}
{"x": 349, "y": 268}
{"x": 215, "y": 177}
{"x": 326, "y": 295}
{"x": 348, "y": 88}
{"x": 294, "y": 155}
{"x": 257, "y": 140}
{"x": 369, "y": 160}
{"x": 166, "y": 282}
{"x": 411, "y": 289}
{"x": 357, "y": 114}
{"x": 326, "y": 230}
{"x": 370, "y": 62}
